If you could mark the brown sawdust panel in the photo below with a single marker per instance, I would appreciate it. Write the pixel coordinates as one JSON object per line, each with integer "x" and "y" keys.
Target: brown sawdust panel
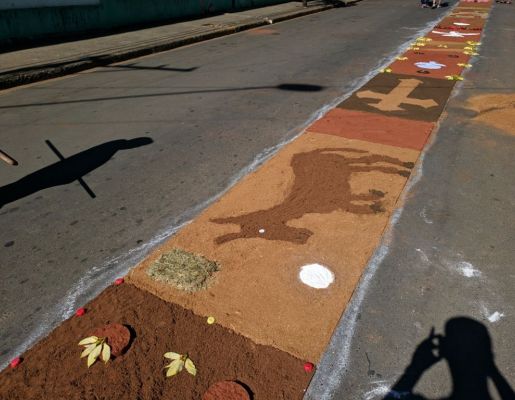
{"x": 375, "y": 128}
{"x": 394, "y": 95}
{"x": 304, "y": 199}
{"x": 53, "y": 370}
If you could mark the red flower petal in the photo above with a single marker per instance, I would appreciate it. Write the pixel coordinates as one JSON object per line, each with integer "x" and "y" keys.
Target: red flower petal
{"x": 119, "y": 281}
{"x": 309, "y": 367}
{"x": 15, "y": 362}
{"x": 80, "y": 312}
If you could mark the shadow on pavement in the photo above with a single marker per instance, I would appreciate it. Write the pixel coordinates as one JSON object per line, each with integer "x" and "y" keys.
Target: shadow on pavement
{"x": 466, "y": 346}
{"x": 299, "y": 87}
{"x": 67, "y": 170}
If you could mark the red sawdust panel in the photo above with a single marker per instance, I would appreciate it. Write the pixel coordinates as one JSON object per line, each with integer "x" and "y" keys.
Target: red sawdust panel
{"x": 432, "y": 64}
{"x": 450, "y": 35}
{"x": 462, "y": 24}
{"x": 393, "y": 95}
{"x": 374, "y": 128}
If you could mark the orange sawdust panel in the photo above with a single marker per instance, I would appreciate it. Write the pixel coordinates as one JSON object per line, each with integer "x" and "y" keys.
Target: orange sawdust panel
{"x": 432, "y": 64}
{"x": 450, "y": 35}
{"x": 471, "y": 10}
{"x": 494, "y": 110}
{"x": 465, "y": 14}
{"x": 322, "y": 200}
{"x": 403, "y": 96}
{"x": 374, "y": 128}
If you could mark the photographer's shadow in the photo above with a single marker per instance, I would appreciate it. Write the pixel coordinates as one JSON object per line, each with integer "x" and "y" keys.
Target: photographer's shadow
{"x": 467, "y": 348}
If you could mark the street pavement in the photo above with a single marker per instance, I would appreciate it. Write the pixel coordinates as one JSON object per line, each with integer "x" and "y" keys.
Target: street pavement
{"x": 213, "y": 111}
{"x": 449, "y": 253}
{"x": 26, "y": 65}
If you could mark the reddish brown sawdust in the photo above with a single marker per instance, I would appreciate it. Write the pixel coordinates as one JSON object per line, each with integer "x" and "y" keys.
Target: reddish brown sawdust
{"x": 448, "y": 59}
{"x": 441, "y": 45}
{"x": 117, "y": 337}
{"x": 53, "y": 370}
{"x": 258, "y": 293}
{"x": 475, "y": 36}
{"x": 474, "y": 24}
{"x": 226, "y": 390}
{"x": 497, "y": 110}
{"x": 374, "y": 128}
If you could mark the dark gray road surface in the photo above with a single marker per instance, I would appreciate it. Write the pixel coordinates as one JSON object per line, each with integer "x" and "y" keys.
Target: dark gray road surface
{"x": 210, "y": 110}
{"x": 451, "y": 254}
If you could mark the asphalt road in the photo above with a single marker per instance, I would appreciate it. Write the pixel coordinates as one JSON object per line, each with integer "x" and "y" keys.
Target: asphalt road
{"x": 207, "y": 114}
{"x": 447, "y": 261}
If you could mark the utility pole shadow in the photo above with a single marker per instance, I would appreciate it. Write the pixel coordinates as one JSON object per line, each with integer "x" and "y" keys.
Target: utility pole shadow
{"x": 67, "y": 170}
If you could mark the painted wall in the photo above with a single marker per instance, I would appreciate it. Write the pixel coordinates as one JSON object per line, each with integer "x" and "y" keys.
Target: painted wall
{"x": 26, "y": 24}
{"x": 16, "y": 4}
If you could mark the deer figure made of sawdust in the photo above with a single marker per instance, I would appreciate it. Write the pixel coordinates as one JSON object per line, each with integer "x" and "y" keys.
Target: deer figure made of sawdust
{"x": 321, "y": 185}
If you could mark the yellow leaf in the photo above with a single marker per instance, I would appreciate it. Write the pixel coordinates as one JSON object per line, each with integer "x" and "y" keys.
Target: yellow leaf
{"x": 402, "y": 58}
{"x": 106, "y": 352}
{"x": 172, "y": 356}
{"x": 88, "y": 340}
{"x": 175, "y": 367}
{"x": 94, "y": 355}
{"x": 190, "y": 367}
{"x": 88, "y": 350}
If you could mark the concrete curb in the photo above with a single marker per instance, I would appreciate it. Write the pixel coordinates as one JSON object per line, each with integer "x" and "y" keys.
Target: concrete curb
{"x": 43, "y": 72}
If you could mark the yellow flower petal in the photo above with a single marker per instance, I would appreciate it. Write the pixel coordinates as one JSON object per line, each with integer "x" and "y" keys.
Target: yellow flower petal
{"x": 190, "y": 367}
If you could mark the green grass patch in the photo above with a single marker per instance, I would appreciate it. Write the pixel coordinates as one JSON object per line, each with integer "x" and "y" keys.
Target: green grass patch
{"x": 183, "y": 270}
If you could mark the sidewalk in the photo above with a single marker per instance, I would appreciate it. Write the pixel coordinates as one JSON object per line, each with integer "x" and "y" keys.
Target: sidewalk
{"x": 40, "y": 63}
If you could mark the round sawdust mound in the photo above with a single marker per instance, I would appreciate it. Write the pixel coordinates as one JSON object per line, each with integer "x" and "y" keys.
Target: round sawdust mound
{"x": 117, "y": 337}
{"x": 183, "y": 270}
{"x": 226, "y": 390}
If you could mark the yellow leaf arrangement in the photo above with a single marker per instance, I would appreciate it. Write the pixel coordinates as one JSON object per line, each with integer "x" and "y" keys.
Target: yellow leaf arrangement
{"x": 95, "y": 347}
{"x": 179, "y": 362}
{"x": 454, "y": 78}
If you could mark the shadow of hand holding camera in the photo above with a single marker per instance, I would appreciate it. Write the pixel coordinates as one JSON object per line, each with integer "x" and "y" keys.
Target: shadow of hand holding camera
{"x": 467, "y": 349}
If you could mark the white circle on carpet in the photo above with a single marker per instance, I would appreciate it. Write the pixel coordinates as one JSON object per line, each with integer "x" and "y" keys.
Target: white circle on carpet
{"x": 316, "y": 276}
